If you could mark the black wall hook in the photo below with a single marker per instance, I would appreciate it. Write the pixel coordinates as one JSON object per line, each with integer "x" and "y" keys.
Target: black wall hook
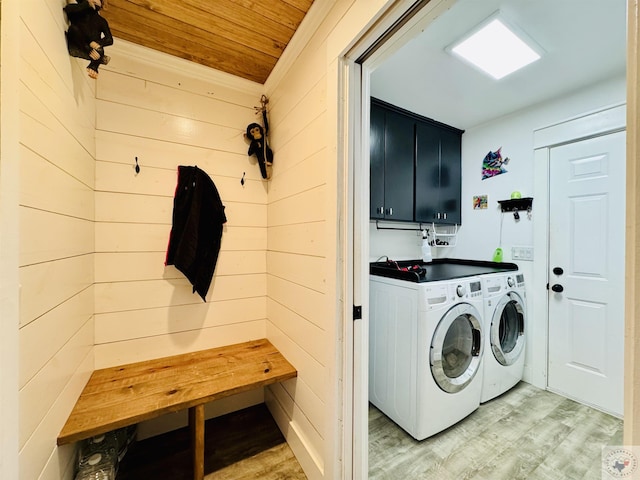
{"x": 137, "y": 167}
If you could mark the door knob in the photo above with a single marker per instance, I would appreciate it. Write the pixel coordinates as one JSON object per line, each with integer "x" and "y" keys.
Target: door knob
{"x": 557, "y": 288}
{"x": 558, "y": 271}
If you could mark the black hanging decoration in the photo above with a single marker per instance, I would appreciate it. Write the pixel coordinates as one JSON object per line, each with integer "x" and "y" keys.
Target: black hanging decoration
{"x": 137, "y": 167}
{"x": 242, "y": 179}
{"x": 257, "y": 135}
{"x": 88, "y": 33}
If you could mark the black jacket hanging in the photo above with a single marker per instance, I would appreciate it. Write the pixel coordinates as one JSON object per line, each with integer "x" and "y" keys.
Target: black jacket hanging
{"x": 196, "y": 234}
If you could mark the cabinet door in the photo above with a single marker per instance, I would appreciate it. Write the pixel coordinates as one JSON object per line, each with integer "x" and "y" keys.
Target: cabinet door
{"x": 399, "y": 167}
{"x": 427, "y": 172}
{"x": 438, "y": 174}
{"x": 376, "y": 158}
{"x": 450, "y": 176}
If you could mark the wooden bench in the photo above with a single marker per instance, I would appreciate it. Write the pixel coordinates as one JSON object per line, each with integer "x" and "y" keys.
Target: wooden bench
{"x": 127, "y": 394}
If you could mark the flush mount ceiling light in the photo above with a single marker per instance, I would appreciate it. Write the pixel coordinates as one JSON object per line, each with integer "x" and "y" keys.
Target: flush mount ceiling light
{"x": 495, "y": 49}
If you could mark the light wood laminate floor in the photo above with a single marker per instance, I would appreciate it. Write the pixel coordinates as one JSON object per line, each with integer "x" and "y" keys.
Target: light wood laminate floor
{"x": 526, "y": 433}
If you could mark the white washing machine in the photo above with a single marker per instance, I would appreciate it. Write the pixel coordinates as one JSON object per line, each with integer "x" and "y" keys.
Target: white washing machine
{"x": 425, "y": 351}
{"x": 505, "y": 326}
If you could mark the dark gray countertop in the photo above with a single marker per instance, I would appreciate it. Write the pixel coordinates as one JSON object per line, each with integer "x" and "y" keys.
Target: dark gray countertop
{"x": 437, "y": 270}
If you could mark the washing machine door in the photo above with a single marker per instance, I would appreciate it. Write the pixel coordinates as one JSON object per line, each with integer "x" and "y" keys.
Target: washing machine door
{"x": 456, "y": 348}
{"x": 507, "y": 329}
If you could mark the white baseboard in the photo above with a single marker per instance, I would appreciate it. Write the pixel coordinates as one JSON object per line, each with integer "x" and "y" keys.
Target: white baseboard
{"x": 309, "y": 460}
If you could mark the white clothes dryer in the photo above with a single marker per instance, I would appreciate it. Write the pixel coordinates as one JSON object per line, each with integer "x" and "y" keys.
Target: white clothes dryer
{"x": 505, "y": 325}
{"x": 425, "y": 351}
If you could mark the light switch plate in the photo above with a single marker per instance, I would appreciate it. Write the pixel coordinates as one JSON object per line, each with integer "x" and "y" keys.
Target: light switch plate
{"x": 522, "y": 253}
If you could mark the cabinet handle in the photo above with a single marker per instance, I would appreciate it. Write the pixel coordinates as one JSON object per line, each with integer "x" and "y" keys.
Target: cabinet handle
{"x": 444, "y": 215}
{"x": 390, "y": 211}
{"x": 438, "y": 215}
{"x": 380, "y": 210}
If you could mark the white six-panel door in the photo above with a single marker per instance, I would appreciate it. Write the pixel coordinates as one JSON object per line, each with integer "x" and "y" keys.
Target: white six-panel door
{"x": 586, "y": 270}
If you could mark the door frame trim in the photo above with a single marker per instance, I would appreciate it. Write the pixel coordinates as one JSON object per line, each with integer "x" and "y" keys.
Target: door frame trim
{"x": 600, "y": 122}
{"x": 632, "y": 301}
{"x": 397, "y": 23}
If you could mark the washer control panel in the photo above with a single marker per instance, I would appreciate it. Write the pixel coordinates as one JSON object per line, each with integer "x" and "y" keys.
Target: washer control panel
{"x": 475, "y": 288}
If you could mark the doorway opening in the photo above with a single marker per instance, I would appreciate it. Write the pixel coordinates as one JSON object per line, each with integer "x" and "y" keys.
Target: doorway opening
{"x": 366, "y": 66}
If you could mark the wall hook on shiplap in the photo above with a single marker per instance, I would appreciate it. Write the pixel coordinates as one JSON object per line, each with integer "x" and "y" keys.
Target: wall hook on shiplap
{"x": 137, "y": 167}
{"x": 242, "y": 179}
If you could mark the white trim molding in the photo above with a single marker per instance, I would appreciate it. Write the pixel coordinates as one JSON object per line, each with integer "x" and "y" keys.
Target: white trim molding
{"x": 590, "y": 124}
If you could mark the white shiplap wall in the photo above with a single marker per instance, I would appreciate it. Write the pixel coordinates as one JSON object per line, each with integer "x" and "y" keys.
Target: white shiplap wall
{"x": 167, "y": 112}
{"x": 144, "y": 309}
{"x": 56, "y": 217}
{"x": 300, "y": 249}
{"x": 279, "y": 255}
{"x": 303, "y": 258}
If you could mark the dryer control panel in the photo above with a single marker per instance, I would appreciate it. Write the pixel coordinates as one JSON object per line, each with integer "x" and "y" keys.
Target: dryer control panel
{"x": 515, "y": 281}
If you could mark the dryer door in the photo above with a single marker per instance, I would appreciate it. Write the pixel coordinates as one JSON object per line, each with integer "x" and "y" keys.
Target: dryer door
{"x": 456, "y": 348}
{"x": 507, "y": 329}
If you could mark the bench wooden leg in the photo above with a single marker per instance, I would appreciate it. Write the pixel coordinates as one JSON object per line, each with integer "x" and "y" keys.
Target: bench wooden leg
{"x": 196, "y": 424}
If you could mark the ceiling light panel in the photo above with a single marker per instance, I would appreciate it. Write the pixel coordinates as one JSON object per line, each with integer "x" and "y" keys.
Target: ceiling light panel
{"x": 495, "y": 49}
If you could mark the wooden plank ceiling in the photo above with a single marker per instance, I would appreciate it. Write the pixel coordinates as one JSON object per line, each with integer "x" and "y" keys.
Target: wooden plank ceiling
{"x": 241, "y": 37}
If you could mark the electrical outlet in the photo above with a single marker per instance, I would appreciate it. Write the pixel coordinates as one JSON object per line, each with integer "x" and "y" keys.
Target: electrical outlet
{"x": 522, "y": 253}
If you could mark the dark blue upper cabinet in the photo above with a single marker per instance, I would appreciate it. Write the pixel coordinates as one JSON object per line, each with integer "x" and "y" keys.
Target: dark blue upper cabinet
{"x": 415, "y": 167}
{"x": 376, "y": 158}
{"x": 438, "y": 173}
{"x": 392, "y": 165}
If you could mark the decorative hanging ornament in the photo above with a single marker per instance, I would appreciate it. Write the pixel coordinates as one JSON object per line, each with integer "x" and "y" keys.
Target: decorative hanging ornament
{"x": 257, "y": 136}
{"x": 492, "y": 164}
